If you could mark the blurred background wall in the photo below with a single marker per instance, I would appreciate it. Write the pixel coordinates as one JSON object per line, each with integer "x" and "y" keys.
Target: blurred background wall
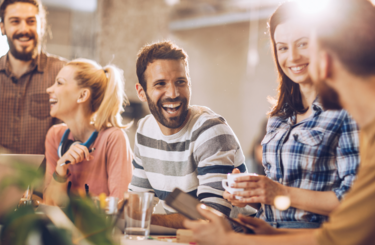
{"x": 231, "y": 65}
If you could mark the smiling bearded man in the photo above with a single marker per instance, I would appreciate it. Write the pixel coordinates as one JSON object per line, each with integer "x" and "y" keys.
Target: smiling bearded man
{"x": 178, "y": 145}
{"x": 25, "y": 74}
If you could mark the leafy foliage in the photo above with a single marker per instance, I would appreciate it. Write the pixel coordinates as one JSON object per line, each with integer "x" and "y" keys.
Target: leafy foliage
{"x": 20, "y": 223}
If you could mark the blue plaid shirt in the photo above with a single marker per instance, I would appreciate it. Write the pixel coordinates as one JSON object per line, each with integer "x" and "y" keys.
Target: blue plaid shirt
{"x": 321, "y": 153}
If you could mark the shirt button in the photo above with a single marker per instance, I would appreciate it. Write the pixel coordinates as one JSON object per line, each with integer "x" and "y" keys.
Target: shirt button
{"x": 17, "y": 118}
{"x": 16, "y": 139}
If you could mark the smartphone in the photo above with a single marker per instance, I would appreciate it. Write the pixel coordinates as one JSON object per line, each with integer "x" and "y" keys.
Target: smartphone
{"x": 186, "y": 205}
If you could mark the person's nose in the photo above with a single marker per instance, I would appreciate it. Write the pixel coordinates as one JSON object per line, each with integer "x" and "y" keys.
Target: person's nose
{"x": 50, "y": 89}
{"x": 23, "y": 27}
{"x": 294, "y": 54}
{"x": 172, "y": 91}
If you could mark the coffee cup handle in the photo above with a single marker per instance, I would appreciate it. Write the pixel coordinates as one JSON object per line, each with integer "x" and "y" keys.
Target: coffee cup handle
{"x": 224, "y": 183}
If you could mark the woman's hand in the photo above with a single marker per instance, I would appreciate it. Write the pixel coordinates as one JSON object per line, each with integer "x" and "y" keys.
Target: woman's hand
{"x": 76, "y": 154}
{"x": 258, "y": 189}
{"x": 231, "y": 197}
{"x": 215, "y": 231}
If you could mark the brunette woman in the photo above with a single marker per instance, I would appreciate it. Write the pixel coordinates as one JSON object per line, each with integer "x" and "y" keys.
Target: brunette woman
{"x": 309, "y": 154}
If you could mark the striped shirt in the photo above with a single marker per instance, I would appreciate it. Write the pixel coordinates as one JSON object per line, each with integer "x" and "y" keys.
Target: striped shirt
{"x": 24, "y": 104}
{"x": 195, "y": 159}
{"x": 320, "y": 153}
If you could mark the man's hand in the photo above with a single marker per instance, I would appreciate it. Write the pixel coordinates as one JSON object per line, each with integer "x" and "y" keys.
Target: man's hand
{"x": 214, "y": 231}
{"x": 257, "y": 225}
{"x": 258, "y": 189}
{"x": 168, "y": 220}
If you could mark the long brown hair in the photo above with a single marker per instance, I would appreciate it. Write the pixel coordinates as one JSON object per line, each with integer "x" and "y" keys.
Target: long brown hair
{"x": 289, "y": 99}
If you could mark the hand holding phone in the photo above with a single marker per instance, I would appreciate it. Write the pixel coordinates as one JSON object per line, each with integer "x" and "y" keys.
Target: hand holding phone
{"x": 187, "y": 206}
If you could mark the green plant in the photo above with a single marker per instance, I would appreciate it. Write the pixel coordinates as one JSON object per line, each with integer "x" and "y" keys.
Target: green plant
{"x": 22, "y": 223}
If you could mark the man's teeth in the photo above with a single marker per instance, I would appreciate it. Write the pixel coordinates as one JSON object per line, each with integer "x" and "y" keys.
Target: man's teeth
{"x": 171, "y": 105}
{"x": 298, "y": 68}
{"x": 24, "y": 39}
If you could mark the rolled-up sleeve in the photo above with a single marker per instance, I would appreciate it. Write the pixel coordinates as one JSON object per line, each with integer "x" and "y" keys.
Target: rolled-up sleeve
{"x": 347, "y": 156}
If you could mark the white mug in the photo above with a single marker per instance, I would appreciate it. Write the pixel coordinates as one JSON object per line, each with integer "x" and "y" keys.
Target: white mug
{"x": 226, "y": 183}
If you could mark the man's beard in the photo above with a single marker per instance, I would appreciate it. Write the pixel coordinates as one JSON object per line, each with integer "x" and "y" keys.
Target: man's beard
{"x": 23, "y": 55}
{"x": 328, "y": 96}
{"x": 173, "y": 122}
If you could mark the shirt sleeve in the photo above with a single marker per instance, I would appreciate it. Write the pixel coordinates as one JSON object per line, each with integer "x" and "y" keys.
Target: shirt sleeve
{"x": 140, "y": 182}
{"x": 347, "y": 155}
{"x": 353, "y": 221}
{"x": 119, "y": 157}
{"x": 217, "y": 152}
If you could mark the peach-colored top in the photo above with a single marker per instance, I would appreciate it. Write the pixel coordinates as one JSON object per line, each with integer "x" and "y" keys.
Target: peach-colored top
{"x": 109, "y": 172}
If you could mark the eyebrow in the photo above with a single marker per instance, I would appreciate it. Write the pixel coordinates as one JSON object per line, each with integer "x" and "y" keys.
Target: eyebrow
{"x": 179, "y": 78}
{"x": 299, "y": 39}
{"x": 60, "y": 78}
{"x": 17, "y": 17}
{"x": 185, "y": 78}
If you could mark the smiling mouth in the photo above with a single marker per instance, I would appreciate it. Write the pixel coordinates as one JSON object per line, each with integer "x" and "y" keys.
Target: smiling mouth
{"x": 171, "y": 108}
{"x": 297, "y": 69}
{"x": 52, "y": 101}
{"x": 24, "y": 39}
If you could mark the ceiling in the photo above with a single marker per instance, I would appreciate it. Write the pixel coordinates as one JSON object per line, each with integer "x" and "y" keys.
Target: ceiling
{"x": 197, "y": 8}
{"x": 78, "y": 5}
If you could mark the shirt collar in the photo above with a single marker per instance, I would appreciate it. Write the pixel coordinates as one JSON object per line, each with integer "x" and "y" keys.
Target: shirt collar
{"x": 39, "y": 62}
{"x": 317, "y": 105}
{"x": 317, "y": 109}
{"x": 3, "y": 62}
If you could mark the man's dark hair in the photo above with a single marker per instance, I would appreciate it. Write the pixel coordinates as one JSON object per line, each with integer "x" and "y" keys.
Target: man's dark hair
{"x": 165, "y": 50}
{"x": 348, "y": 33}
{"x": 36, "y": 3}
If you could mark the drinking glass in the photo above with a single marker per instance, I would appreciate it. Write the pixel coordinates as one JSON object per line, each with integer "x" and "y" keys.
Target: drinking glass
{"x": 108, "y": 205}
{"x": 138, "y": 215}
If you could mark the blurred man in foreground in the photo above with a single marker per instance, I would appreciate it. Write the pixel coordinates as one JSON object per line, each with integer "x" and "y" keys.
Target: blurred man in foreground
{"x": 25, "y": 74}
{"x": 342, "y": 66}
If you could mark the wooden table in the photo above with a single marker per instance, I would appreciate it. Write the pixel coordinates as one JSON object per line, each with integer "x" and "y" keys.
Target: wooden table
{"x": 172, "y": 241}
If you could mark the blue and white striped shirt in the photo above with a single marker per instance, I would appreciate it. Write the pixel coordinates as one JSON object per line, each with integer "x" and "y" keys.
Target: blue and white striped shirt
{"x": 321, "y": 153}
{"x": 195, "y": 159}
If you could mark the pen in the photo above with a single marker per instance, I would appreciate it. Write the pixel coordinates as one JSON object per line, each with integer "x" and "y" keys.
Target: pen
{"x": 64, "y": 163}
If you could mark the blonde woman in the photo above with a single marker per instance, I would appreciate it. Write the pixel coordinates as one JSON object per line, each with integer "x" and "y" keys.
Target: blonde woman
{"x": 90, "y": 149}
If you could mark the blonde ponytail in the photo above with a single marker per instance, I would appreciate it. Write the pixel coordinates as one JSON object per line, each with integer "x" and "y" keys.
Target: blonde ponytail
{"x": 107, "y": 88}
{"x": 110, "y": 109}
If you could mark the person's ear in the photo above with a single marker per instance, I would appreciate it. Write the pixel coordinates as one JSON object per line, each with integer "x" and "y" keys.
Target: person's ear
{"x": 2, "y": 28}
{"x": 84, "y": 95}
{"x": 141, "y": 92}
{"x": 325, "y": 66}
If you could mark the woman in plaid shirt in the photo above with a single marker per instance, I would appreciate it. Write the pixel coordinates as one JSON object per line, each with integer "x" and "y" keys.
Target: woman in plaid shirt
{"x": 309, "y": 154}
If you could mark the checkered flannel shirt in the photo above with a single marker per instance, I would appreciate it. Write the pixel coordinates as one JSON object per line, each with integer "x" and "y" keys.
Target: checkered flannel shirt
{"x": 24, "y": 104}
{"x": 321, "y": 153}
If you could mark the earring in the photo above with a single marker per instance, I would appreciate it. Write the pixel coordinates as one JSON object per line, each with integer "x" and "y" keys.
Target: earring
{"x": 79, "y": 100}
